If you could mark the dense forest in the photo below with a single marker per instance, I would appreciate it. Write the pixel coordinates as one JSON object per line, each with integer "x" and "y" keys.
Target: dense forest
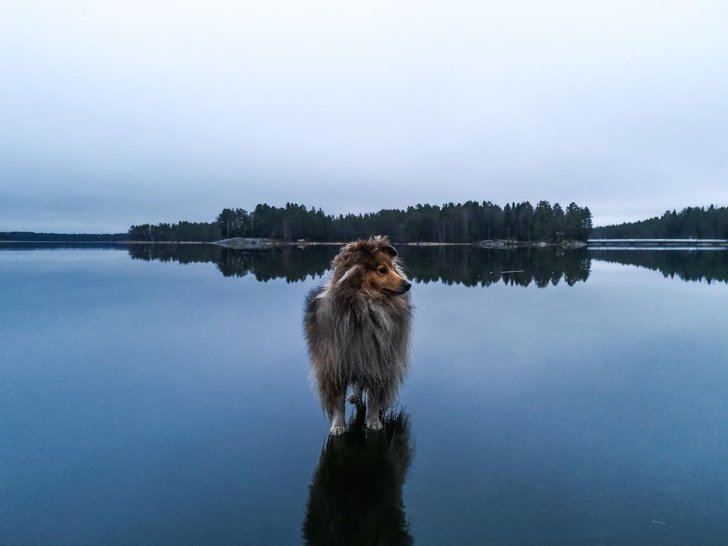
{"x": 181, "y": 231}
{"x": 450, "y": 223}
{"x": 61, "y": 237}
{"x": 690, "y": 222}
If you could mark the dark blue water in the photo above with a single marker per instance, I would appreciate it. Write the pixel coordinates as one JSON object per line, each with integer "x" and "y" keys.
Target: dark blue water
{"x": 160, "y": 402}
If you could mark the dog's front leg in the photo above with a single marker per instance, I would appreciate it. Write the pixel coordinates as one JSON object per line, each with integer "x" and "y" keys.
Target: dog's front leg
{"x": 338, "y": 424}
{"x": 373, "y": 421}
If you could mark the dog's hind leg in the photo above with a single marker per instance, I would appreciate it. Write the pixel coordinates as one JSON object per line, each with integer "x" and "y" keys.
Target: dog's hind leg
{"x": 373, "y": 406}
{"x": 333, "y": 399}
{"x": 338, "y": 424}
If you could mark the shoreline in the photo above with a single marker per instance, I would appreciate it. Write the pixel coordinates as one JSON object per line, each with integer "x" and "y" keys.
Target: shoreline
{"x": 262, "y": 244}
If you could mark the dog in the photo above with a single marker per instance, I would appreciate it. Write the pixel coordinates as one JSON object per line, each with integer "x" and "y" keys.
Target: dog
{"x": 358, "y": 329}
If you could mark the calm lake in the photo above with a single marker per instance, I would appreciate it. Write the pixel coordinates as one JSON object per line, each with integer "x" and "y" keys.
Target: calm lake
{"x": 161, "y": 395}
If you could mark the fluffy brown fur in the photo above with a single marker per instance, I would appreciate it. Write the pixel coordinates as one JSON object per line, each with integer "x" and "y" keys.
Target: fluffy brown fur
{"x": 358, "y": 330}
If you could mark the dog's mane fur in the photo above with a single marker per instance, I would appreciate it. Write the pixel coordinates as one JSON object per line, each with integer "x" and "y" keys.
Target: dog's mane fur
{"x": 357, "y": 336}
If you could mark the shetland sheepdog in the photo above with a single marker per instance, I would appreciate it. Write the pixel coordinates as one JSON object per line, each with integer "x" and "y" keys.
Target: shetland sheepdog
{"x": 358, "y": 326}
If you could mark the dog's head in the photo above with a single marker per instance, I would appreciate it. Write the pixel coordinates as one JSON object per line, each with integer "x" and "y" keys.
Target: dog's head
{"x": 370, "y": 265}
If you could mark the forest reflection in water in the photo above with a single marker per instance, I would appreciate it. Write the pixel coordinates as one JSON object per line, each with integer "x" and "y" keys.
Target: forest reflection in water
{"x": 469, "y": 266}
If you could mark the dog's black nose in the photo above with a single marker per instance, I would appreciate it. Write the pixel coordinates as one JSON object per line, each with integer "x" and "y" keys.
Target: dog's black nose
{"x": 406, "y": 286}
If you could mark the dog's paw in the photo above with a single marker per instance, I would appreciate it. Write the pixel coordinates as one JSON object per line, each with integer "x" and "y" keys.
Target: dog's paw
{"x": 336, "y": 430}
{"x": 374, "y": 424}
{"x": 354, "y": 399}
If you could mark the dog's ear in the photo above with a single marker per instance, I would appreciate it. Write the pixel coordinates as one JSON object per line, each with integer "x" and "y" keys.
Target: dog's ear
{"x": 389, "y": 249}
{"x": 352, "y": 278}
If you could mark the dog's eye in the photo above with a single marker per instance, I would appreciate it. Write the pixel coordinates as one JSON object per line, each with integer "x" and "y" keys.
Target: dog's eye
{"x": 382, "y": 270}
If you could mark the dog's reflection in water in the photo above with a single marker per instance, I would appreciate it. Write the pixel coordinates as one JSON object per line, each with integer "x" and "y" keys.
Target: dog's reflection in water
{"x": 356, "y": 494}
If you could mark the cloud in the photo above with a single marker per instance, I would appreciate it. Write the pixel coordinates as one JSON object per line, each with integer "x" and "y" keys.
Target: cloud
{"x": 157, "y": 111}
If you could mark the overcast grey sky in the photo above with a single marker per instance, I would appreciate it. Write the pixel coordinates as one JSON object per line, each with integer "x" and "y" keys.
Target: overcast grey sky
{"x": 122, "y": 112}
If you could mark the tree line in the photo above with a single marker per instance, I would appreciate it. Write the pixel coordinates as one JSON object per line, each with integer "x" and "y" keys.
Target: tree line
{"x": 181, "y": 231}
{"x": 690, "y": 222}
{"x": 450, "y": 223}
{"x": 28, "y": 236}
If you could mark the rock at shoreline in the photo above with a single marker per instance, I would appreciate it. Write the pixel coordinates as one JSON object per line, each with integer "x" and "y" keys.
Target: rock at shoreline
{"x": 246, "y": 243}
{"x": 510, "y": 243}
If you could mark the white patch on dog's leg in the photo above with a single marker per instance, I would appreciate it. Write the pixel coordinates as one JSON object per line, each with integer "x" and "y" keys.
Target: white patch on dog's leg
{"x": 338, "y": 423}
{"x": 373, "y": 421}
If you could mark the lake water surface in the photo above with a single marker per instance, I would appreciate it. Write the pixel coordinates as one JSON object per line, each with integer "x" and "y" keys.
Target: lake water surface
{"x": 161, "y": 395}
